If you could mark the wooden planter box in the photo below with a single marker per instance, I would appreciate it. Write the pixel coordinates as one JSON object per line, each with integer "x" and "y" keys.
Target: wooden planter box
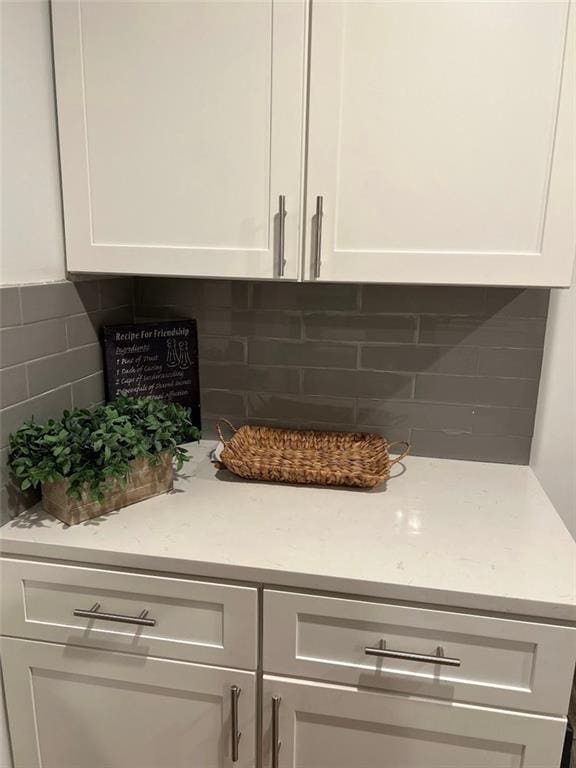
{"x": 145, "y": 480}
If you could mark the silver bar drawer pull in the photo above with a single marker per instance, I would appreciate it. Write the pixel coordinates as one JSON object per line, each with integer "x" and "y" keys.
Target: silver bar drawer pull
{"x": 318, "y": 239}
{"x": 281, "y": 233}
{"x": 95, "y": 613}
{"x": 405, "y": 656}
{"x": 235, "y": 694}
{"x": 276, "y": 743}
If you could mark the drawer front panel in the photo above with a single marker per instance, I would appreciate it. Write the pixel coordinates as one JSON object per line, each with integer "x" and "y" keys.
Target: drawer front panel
{"x": 189, "y": 620}
{"x": 501, "y": 662}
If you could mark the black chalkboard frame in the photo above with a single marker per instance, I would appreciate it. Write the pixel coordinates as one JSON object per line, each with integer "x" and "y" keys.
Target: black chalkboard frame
{"x": 175, "y": 345}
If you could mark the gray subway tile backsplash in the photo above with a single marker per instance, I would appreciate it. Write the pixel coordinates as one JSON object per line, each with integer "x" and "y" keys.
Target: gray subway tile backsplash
{"x": 211, "y": 322}
{"x": 48, "y": 300}
{"x": 201, "y": 294}
{"x": 477, "y": 390}
{"x": 483, "y": 331}
{"x": 412, "y": 414}
{"x": 88, "y": 391}
{"x": 453, "y": 369}
{"x": 13, "y": 385}
{"x": 42, "y": 407}
{"x": 515, "y": 422}
{"x": 27, "y": 342}
{"x": 50, "y": 356}
{"x": 518, "y": 363}
{"x": 4, "y": 470}
{"x": 449, "y": 368}
{"x": 517, "y": 302}
{"x": 82, "y": 329}
{"x": 305, "y": 354}
{"x": 86, "y": 328}
{"x": 495, "y": 448}
{"x": 10, "y": 313}
{"x": 270, "y": 324}
{"x": 340, "y": 326}
{"x": 423, "y": 299}
{"x": 305, "y": 296}
{"x": 219, "y": 402}
{"x": 420, "y": 357}
{"x": 453, "y": 418}
{"x": 116, "y": 292}
{"x": 54, "y": 371}
{"x": 300, "y": 408}
{"x": 252, "y": 378}
{"x": 221, "y": 349}
{"x": 243, "y": 323}
{"x": 357, "y": 383}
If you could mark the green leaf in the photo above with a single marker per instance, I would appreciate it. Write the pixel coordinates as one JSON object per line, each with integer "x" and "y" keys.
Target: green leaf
{"x": 92, "y": 447}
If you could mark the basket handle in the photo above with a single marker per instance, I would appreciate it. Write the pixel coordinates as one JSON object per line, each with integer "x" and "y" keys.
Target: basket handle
{"x": 404, "y": 453}
{"x": 219, "y": 429}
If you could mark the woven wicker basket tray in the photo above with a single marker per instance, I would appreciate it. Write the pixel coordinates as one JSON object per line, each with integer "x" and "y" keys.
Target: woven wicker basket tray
{"x": 354, "y": 459}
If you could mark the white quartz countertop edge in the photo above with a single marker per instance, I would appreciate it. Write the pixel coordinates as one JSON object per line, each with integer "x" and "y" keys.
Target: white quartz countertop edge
{"x": 468, "y": 535}
{"x": 438, "y": 598}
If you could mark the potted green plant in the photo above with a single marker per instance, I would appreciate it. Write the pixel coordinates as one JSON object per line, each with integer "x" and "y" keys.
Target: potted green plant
{"x": 90, "y": 462}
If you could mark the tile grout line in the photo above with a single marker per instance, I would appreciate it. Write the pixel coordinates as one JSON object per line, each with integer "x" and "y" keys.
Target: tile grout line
{"x": 20, "y": 306}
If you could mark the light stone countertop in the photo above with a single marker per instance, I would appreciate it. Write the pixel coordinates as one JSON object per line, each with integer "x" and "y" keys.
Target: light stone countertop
{"x": 456, "y": 533}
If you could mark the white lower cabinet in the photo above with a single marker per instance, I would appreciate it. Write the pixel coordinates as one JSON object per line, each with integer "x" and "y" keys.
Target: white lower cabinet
{"x": 98, "y": 694}
{"x": 492, "y": 662}
{"x": 71, "y": 707}
{"x": 330, "y": 726}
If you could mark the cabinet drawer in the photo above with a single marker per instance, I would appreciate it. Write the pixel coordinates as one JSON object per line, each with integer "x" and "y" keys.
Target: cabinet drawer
{"x": 502, "y": 663}
{"x": 189, "y": 620}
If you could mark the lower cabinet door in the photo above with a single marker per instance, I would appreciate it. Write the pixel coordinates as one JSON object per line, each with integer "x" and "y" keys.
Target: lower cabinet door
{"x": 317, "y": 725}
{"x": 70, "y": 707}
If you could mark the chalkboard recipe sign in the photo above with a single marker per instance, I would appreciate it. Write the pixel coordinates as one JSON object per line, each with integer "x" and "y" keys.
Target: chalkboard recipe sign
{"x": 154, "y": 360}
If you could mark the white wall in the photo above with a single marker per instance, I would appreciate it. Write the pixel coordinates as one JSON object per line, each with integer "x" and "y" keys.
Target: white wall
{"x": 32, "y": 247}
{"x": 554, "y": 446}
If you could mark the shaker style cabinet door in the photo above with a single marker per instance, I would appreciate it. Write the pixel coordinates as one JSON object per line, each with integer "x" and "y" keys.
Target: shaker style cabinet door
{"x": 181, "y": 132}
{"x": 313, "y": 725}
{"x": 70, "y": 707}
{"x": 441, "y": 142}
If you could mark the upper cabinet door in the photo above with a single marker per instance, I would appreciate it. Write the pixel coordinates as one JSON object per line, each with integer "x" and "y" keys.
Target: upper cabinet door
{"x": 181, "y": 126}
{"x": 441, "y": 141}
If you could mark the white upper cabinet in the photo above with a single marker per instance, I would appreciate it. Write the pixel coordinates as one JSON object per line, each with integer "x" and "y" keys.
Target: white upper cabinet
{"x": 441, "y": 139}
{"x": 181, "y": 125}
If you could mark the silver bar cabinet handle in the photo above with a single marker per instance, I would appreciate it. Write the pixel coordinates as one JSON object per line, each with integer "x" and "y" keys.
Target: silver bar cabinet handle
{"x": 235, "y": 695}
{"x": 427, "y": 658}
{"x": 281, "y": 233}
{"x": 276, "y": 743}
{"x": 95, "y": 613}
{"x": 318, "y": 243}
